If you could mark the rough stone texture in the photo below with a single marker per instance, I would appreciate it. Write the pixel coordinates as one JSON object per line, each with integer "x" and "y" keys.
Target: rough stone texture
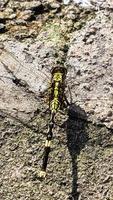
{"x": 92, "y": 4}
{"x": 37, "y": 37}
{"x": 91, "y": 71}
{"x": 80, "y": 164}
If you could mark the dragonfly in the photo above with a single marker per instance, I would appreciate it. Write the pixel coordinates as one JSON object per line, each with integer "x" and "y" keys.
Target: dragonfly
{"x": 56, "y": 91}
{"x": 57, "y": 100}
{"x": 36, "y": 80}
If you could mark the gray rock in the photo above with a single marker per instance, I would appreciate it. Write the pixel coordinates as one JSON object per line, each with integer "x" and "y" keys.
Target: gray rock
{"x": 28, "y": 5}
{"x": 90, "y": 53}
{"x": 25, "y": 15}
{"x": 55, "y": 5}
{"x": 71, "y": 15}
{"x": 81, "y": 160}
{"x": 12, "y": 16}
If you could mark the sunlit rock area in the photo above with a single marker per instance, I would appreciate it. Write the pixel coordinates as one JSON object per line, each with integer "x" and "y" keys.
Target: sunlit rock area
{"x": 36, "y": 36}
{"x": 84, "y": 3}
{"x": 90, "y": 3}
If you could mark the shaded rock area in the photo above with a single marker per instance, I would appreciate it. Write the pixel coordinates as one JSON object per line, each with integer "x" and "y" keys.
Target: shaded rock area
{"x": 34, "y": 37}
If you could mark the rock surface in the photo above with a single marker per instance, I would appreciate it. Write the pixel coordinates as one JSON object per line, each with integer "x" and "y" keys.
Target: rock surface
{"x": 90, "y": 58}
{"x": 39, "y": 35}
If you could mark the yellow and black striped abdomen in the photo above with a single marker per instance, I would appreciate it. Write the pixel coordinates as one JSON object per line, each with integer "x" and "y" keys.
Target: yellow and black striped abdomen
{"x": 56, "y": 100}
{"x": 56, "y": 92}
{"x": 54, "y": 104}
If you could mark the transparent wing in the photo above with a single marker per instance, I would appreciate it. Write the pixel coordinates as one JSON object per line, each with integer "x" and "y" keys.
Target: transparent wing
{"x": 36, "y": 80}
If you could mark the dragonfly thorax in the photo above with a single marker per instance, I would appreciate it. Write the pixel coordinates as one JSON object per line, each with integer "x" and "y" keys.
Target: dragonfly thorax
{"x": 57, "y": 77}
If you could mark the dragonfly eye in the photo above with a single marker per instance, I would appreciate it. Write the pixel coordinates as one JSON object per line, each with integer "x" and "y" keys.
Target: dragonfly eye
{"x": 59, "y": 69}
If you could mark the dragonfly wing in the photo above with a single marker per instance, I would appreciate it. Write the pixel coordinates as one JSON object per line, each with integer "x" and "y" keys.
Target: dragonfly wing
{"x": 35, "y": 79}
{"x": 13, "y": 100}
{"x": 4, "y": 74}
{"x": 8, "y": 61}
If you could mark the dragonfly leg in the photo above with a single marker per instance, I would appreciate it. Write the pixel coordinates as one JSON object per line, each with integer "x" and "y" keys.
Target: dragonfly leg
{"x": 70, "y": 94}
{"x": 66, "y": 102}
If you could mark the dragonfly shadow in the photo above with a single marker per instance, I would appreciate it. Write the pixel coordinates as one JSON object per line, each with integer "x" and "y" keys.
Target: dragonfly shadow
{"x": 76, "y": 140}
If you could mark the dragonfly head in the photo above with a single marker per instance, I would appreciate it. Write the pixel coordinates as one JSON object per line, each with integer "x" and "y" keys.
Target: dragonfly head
{"x": 62, "y": 70}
